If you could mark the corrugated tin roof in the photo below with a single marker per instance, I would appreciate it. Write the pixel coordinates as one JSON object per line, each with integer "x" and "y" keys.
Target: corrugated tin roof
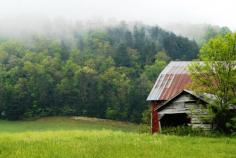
{"x": 172, "y": 79}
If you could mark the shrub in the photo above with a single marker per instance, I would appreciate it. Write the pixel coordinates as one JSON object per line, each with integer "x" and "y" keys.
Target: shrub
{"x": 143, "y": 128}
{"x": 146, "y": 116}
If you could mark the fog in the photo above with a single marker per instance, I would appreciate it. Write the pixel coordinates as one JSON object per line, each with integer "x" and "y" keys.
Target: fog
{"x": 48, "y": 15}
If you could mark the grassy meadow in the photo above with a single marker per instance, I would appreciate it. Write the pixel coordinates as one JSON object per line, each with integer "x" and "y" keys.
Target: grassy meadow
{"x": 62, "y": 137}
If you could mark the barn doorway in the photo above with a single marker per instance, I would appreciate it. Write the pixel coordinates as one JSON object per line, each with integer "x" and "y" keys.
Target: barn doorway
{"x": 174, "y": 120}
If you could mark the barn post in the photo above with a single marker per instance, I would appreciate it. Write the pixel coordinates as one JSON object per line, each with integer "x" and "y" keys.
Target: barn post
{"x": 154, "y": 119}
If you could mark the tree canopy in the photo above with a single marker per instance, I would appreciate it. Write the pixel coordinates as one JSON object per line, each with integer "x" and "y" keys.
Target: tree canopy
{"x": 104, "y": 73}
{"x": 216, "y": 75}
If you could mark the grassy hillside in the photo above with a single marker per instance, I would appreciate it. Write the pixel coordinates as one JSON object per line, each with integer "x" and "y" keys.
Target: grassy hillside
{"x": 65, "y": 124}
{"x": 88, "y": 138}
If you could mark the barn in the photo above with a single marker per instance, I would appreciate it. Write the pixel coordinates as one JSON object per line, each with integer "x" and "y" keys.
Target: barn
{"x": 171, "y": 103}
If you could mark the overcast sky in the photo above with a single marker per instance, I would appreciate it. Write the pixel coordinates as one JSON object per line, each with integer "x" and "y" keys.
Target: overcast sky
{"x": 219, "y": 12}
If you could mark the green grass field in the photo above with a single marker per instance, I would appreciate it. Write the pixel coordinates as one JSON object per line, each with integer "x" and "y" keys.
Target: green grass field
{"x": 62, "y": 137}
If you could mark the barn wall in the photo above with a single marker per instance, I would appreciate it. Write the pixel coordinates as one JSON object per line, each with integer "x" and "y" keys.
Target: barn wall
{"x": 177, "y": 106}
{"x": 196, "y": 115}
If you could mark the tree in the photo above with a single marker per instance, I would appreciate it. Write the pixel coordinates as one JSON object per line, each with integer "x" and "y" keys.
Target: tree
{"x": 216, "y": 75}
{"x": 122, "y": 57}
{"x": 152, "y": 71}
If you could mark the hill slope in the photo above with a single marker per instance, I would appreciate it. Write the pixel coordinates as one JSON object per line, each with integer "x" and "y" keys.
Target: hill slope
{"x": 64, "y": 124}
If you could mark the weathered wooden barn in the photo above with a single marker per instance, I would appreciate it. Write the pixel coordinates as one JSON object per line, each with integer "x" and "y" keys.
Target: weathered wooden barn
{"x": 174, "y": 105}
{"x": 171, "y": 104}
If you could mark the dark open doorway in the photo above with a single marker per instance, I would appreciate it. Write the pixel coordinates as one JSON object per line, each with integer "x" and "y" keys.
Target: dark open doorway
{"x": 174, "y": 120}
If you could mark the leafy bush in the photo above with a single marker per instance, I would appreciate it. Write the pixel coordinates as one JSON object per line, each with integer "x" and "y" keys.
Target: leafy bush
{"x": 231, "y": 125}
{"x": 143, "y": 128}
{"x": 146, "y": 116}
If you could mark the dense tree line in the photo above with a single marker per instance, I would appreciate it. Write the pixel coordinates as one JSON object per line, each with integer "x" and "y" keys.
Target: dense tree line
{"x": 105, "y": 73}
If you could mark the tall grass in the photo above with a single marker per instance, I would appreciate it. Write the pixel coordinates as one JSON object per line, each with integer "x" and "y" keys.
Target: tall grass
{"x": 107, "y": 142}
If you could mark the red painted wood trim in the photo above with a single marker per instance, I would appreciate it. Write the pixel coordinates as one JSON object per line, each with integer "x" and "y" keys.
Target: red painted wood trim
{"x": 155, "y": 120}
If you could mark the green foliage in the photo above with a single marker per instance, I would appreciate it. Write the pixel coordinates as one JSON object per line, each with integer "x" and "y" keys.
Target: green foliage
{"x": 231, "y": 124}
{"x": 212, "y": 32}
{"x": 146, "y": 116}
{"x": 104, "y": 73}
{"x": 144, "y": 129}
{"x": 216, "y": 75}
{"x": 152, "y": 71}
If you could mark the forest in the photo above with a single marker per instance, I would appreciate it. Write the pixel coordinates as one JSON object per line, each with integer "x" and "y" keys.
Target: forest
{"x": 101, "y": 72}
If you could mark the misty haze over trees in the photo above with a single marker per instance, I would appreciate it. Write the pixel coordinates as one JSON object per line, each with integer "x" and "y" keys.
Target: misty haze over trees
{"x": 103, "y": 71}
{"x": 201, "y": 33}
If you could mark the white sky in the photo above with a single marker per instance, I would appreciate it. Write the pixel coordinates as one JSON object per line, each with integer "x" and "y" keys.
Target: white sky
{"x": 219, "y": 12}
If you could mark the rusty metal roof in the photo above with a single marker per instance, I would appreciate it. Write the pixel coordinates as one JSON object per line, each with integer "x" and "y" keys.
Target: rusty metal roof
{"x": 172, "y": 80}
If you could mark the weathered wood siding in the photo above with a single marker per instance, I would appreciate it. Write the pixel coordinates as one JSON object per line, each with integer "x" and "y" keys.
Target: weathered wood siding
{"x": 188, "y": 104}
{"x": 177, "y": 106}
{"x": 196, "y": 113}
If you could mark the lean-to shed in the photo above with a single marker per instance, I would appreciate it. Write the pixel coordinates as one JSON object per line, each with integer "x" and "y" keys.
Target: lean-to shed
{"x": 185, "y": 108}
